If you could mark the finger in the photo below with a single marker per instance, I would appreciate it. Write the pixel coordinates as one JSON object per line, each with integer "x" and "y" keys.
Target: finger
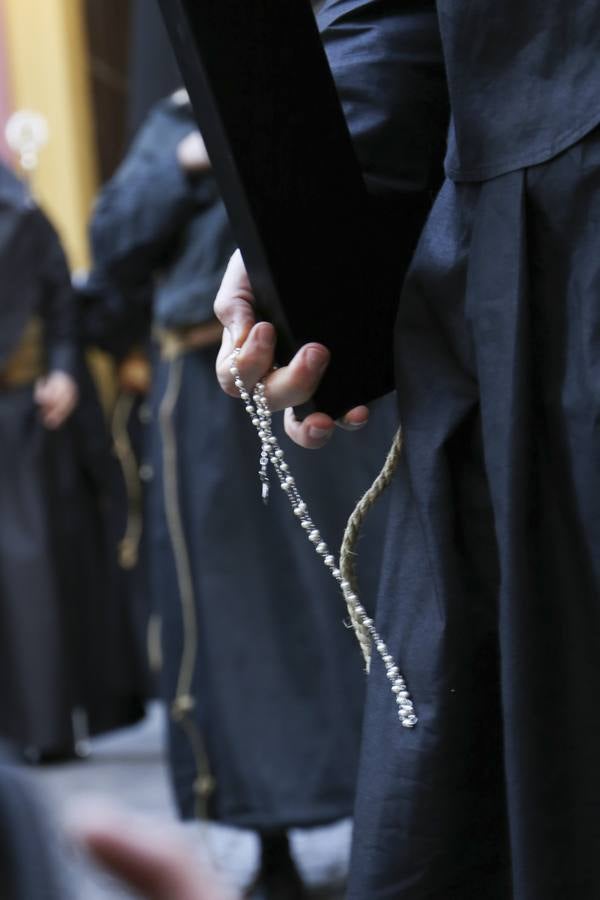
{"x": 257, "y": 355}
{"x": 255, "y": 358}
{"x": 355, "y": 419}
{"x": 296, "y": 383}
{"x": 50, "y": 396}
{"x": 312, "y": 433}
{"x": 56, "y": 411}
{"x": 234, "y": 303}
{"x": 224, "y": 361}
{"x": 52, "y": 417}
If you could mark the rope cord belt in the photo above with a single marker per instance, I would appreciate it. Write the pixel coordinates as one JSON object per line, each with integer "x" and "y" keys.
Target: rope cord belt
{"x": 182, "y": 706}
{"x": 129, "y": 545}
{"x": 344, "y": 573}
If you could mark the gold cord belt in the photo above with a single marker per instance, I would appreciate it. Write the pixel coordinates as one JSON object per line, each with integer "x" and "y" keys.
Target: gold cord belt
{"x": 175, "y": 342}
{"x": 27, "y": 363}
{"x": 184, "y": 702}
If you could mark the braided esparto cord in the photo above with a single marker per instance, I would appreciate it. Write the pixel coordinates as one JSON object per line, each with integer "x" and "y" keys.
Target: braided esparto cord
{"x": 348, "y": 549}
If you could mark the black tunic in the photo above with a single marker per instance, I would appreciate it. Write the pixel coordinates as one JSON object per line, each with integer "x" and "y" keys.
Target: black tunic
{"x": 491, "y": 593}
{"x": 120, "y": 327}
{"x": 276, "y": 677}
{"x": 35, "y": 700}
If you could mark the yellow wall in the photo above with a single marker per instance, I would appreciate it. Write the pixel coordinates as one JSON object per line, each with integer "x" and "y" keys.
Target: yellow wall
{"x": 47, "y": 56}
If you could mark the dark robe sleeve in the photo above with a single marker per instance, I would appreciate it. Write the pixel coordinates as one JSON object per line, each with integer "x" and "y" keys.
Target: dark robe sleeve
{"x": 386, "y": 59}
{"x": 57, "y": 308}
{"x": 387, "y": 62}
{"x": 143, "y": 209}
{"x": 110, "y": 319}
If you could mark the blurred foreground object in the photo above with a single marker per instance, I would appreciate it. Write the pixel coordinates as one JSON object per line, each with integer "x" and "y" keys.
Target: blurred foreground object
{"x": 153, "y": 859}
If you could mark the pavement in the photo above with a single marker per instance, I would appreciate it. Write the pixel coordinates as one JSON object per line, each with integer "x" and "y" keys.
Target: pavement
{"x": 128, "y": 768}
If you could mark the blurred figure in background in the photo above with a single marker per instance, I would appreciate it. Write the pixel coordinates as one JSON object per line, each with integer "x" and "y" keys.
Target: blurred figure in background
{"x": 264, "y": 683}
{"x": 64, "y": 661}
{"x": 38, "y": 393}
{"x": 120, "y": 328}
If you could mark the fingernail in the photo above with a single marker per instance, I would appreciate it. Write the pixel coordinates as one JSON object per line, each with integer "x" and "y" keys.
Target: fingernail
{"x": 319, "y": 433}
{"x": 264, "y": 336}
{"x": 317, "y": 360}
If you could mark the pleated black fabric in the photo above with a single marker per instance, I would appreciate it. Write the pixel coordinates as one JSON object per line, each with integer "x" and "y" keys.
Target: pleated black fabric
{"x": 35, "y": 700}
{"x": 492, "y": 582}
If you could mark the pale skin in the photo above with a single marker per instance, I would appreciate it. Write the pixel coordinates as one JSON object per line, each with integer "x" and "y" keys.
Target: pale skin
{"x": 151, "y": 859}
{"x": 56, "y": 395}
{"x": 287, "y": 386}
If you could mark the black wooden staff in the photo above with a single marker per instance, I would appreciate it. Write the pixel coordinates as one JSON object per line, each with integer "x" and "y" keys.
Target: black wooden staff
{"x": 267, "y": 106}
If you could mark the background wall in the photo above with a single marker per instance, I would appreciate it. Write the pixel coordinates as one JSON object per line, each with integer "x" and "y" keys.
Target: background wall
{"x": 45, "y": 53}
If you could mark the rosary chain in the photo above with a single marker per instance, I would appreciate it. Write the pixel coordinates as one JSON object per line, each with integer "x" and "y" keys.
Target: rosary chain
{"x": 260, "y": 414}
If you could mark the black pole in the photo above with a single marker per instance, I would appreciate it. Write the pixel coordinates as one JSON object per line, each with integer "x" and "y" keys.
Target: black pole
{"x": 267, "y": 106}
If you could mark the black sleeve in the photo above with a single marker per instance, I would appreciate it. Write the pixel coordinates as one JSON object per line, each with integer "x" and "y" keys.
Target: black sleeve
{"x": 110, "y": 319}
{"x": 387, "y": 62}
{"x": 58, "y": 309}
{"x": 142, "y": 210}
{"x": 386, "y": 59}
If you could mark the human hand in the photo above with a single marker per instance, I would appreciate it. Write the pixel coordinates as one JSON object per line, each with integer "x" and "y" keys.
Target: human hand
{"x": 285, "y": 387}
{"x": 56, "y": 394}
{"x": 191, "y": 153}
{"x": 152, "y": 859}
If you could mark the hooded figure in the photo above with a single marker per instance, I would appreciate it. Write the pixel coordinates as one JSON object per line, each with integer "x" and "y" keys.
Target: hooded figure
{"x": 61, "y": 653}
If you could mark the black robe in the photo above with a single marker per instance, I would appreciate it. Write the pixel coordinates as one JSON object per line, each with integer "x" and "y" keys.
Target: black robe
{"x": 59, "y": 641}
{"x": 35, "y": 701}
{"x": 262, "y": 648}
{"x": 119, "y": 326}
{"x": 490, "y": 599}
